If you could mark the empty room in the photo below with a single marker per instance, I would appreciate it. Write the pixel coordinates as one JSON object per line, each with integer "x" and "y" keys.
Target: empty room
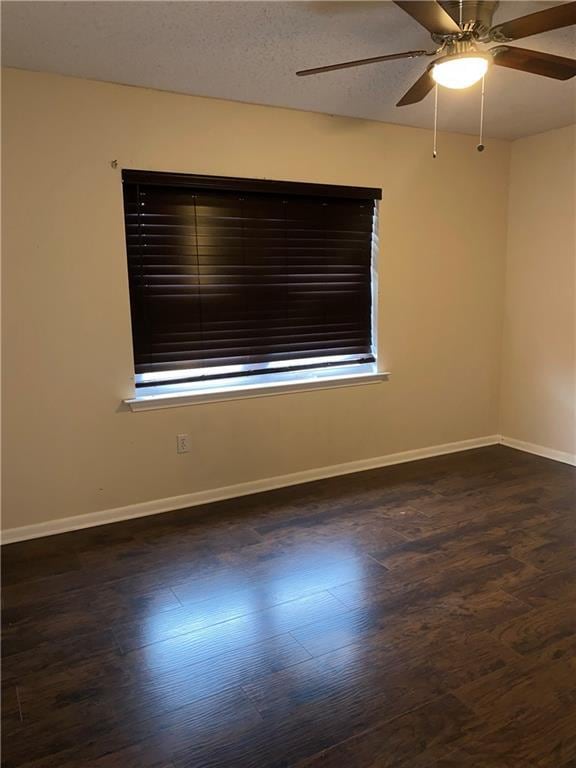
{"x": 289, "y": 384}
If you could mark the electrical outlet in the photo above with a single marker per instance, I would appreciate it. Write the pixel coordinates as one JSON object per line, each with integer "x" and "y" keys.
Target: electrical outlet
{"x": 182, "y": 443}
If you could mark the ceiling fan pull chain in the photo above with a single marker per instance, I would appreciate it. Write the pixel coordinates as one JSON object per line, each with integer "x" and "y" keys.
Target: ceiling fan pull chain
{"x": 434, "y": 153}
{"x": 480, "y": 146}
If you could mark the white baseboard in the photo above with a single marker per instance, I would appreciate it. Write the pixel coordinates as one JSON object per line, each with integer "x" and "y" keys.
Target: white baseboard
{"x": 539, "y": 450}
{"x": 172, "y": 503}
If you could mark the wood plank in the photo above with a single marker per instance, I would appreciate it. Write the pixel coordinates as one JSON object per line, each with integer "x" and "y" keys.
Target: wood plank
{"x": 198, "y": 621}
{"x": 547, "y": 633}
{"x": 30, "y": 625}
{"x": 542, "y": 590}
{"x": 508, "y": 694}
{"x": 275, "y": 582}
{"x": 425, "y": 732}
{"x": 189, "y": 726}
{"x": 536, "y": 740}
{"x": 60, "y": 702}
{"x": 10, "y": 710}
{"x": 58, "y": 654}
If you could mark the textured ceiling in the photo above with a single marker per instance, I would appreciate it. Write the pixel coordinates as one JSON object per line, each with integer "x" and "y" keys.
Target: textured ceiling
{"x": 249, "y": 51}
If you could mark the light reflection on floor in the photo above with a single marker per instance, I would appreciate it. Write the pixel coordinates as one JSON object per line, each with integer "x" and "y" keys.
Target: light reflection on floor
{"x": 255, "y": 608}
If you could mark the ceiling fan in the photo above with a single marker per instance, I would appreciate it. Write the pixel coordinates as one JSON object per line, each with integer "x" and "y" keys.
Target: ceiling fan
{"x": 461, "y": 28}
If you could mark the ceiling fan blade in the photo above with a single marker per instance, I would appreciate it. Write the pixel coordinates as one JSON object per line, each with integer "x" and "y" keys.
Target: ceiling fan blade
{"x": 419, "y": 90}
{"x": 536, "y": 62}
{"x": 430, "y": 15}
{"x": 543, "y": 21}
{"x": 361, "y": 62}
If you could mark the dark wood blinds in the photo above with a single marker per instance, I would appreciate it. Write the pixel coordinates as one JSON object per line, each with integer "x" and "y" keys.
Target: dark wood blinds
{"x": 231, "y": 276}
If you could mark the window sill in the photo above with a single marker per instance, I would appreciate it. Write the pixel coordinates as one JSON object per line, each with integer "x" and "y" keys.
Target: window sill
{"x": 152, "y": 401}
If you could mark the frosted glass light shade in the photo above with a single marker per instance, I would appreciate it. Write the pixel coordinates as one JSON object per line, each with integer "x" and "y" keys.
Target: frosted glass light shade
{"x": 460, "y": 72}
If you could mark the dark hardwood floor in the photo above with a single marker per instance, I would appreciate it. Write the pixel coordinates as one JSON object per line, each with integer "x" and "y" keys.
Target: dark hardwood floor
{"x": 418, "y": 616}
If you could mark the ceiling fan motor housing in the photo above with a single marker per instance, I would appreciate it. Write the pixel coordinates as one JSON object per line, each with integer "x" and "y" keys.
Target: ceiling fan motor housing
{"x": 477, "y": 17}
{"x": 461, "y": 47}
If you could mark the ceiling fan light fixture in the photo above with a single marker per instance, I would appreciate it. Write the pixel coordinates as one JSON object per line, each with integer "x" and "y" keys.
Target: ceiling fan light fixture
{"x": 460, "y": 71}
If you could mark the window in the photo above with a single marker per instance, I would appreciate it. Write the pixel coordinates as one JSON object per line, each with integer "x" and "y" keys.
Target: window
{"x": 236, "y": 282}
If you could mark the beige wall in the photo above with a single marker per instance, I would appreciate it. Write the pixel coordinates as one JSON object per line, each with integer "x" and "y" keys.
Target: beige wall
{"x": 72, "y": 449}
{"x": 539, "y": 349}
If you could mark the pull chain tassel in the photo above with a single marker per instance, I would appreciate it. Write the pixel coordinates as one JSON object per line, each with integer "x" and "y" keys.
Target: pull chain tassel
{"x": 434, "y": 153}
{"x": 480, "y": 146}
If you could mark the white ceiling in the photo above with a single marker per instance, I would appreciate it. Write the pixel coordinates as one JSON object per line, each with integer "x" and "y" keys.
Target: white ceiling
{"x": 249, "y": 51}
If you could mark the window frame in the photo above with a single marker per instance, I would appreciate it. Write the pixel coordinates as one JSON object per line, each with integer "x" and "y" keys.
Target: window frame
{"x": 291, "y": 378}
